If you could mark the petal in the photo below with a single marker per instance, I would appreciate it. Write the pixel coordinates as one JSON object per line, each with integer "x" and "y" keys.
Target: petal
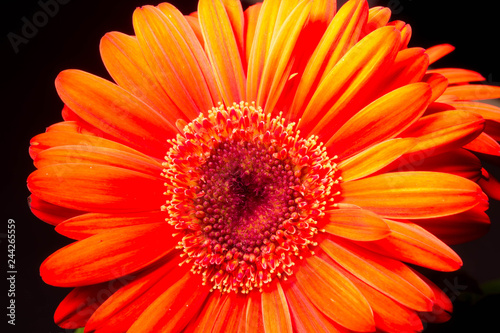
{"x": 173, "y": 310}
{"x": 254, "y": 318}
{"x": 120, "y": 310}
{"x": 71, "y": 136}
{"x": 377, "y": 17}
{"x": 231, "y": 314}
{"x": 458, "y": 228}
{"x": 107, "y": 255}
{"x": 413, "y": 194}
{"x": 125, "y": 63}
{"x": 472, "y": 91}
{"x": 444, "y": 131}
{"x": 271, "y": 15}
{"x": 342, "y": 33}
{"x": 209, "y": 313}
{"x": 357, "y": 70}
{"x": 281, "y": 57}
{"x": 306, "y": 317}
{"x": 458, "y": 162}
{"x": 410, "y": 243}
{"x": 484, "y": 144}
{"x": 76, "y": 308}
{"x": 115, "y": 111}
{"x": 334, "y": 295}
{"x": 377, "y": 271}
{"x": 275, "y": 313}
{"x": 224, "y": 45}
{"x": 374, "y": 158}
{"x": 384, "y": 118}
{"x": 49, "y": 213}
{"x": 438, "y": 84}
{"x": 356, "y": 224}
{"x": 90, "y": 224}
{"x": 390, "y": 316}
{"x": 437, "y": 52}
{"x": 251, "y": 17}
{"x": 458, "y": 75}
{"x": 111, "y": 189}
{"x": 164, "y": 34}
{"x": 98, "y": 156}
{"x": 487, "y": 111}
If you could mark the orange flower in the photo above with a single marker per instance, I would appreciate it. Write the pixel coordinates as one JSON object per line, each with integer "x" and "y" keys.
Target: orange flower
{"x": 266, "y": 170}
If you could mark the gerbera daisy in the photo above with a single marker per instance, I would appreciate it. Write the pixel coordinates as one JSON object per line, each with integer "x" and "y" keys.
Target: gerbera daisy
{"x": 278, "y": 169}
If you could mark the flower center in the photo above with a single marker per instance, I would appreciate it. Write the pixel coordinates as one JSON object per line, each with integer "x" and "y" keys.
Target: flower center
{"x": 246, "y": 192}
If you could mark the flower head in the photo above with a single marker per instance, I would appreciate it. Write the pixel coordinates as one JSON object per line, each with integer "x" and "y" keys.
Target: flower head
{"x": 267, "y": 170}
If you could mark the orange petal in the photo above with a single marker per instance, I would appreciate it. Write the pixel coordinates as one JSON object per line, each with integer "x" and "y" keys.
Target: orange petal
{"x": 115, "y": 111}
{"x": 384, "y": 118}
{"x": 231, "y": 314}
{"x": 125, "y": 63}
{"x": 374, "y": 158}
{"x": 357, "y": 70}
{"x": 275, "y": 313}
{"x": 458, "y": 75}
{"x": 437, "y": 52}
{"x": 49, "y": 213}
{"x": 97, "y": 188}
{"x": 458, "y": 228}
{"x": 410, "y": 243}
{"x": 438, "y": 84}
{"x": 222, "y": 27}
{"x": 251, "y": 17}
{"x": 271, "y": 15}
{"x": 209, "y": 313}
{"x": 76, "y": 308}
{"x": 90, "y": 224}
{"x": 172, "y": 311}
{"x": 444, "y": 131}
{"x": 98, "y": 155}
{"x": 377, "y": 271}
{"x": 306, "y": 317}
{"x": 377, "y": 17}
{"x": 281, "y": 58}
{"x": 488, "y": 111}
{"x": 484, "y": 144}
{"x": 133, "y": 294}
{"x": 356, "y": 224}
{"x": 163, "y": 33}
{"x": 342, "y": 33}
{"x": 413, "y": 194}
{"x": 390, "y": 316}
{"x": 194, "y": 23}
{"x": 107, "y": 255}
{"x": 67, "y": 134}
{"x": 458, "y": 162}
{"x": 334, "y": 295}
{"x": 472, "y": 91}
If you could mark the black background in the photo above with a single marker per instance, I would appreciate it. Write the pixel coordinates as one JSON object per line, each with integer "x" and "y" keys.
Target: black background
{"x": 70, "y": 39}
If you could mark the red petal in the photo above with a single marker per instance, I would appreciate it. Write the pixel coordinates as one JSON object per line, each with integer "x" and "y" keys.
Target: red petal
{"x": 108, "y": 255}
{"x": 50, "y": 213}
{"x": 484, "y": 144}
{"x": 77, "y": 307}
{"x": 473, "y": 91}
